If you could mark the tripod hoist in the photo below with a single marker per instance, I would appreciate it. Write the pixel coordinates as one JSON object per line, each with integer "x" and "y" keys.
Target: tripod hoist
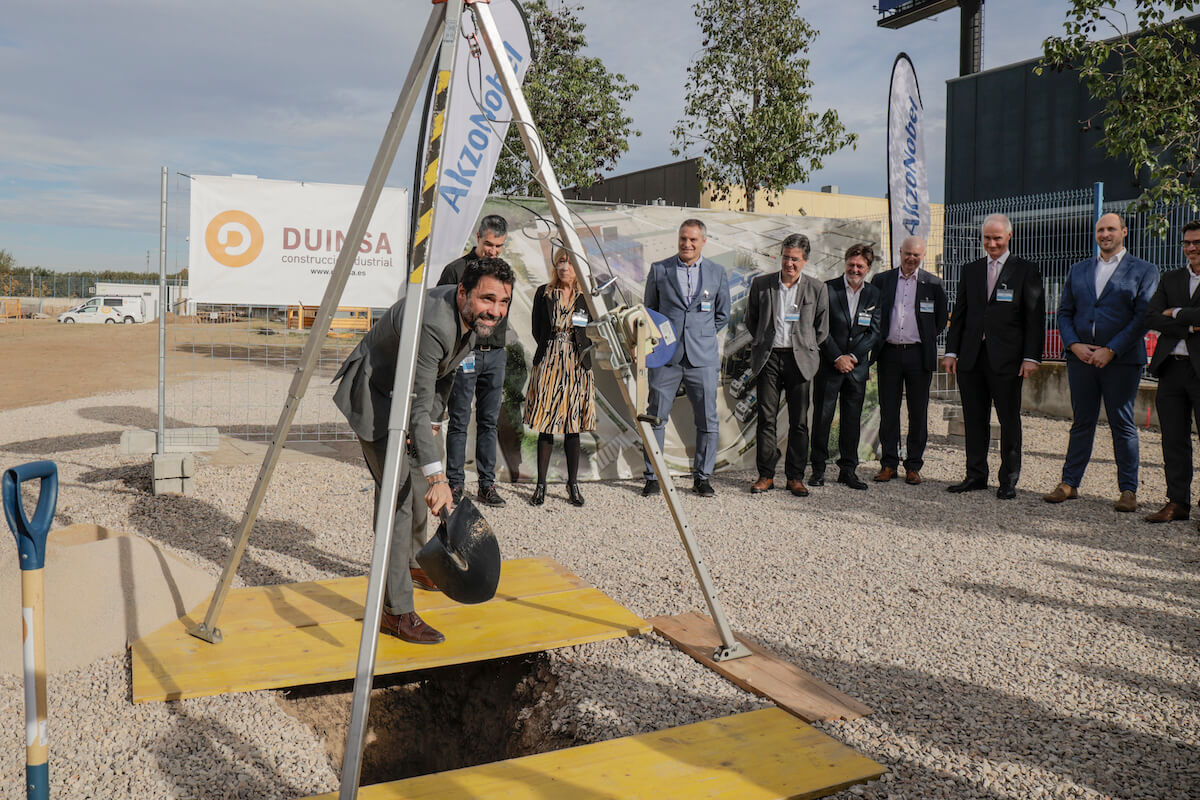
{"x": 622, "y": 338}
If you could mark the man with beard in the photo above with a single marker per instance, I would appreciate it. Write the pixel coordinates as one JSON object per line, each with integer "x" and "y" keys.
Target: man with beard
{"x": 454, "y": 316}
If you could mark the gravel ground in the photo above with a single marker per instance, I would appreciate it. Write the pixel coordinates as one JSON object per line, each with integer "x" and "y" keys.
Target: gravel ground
{"x": 1008, "y": 649}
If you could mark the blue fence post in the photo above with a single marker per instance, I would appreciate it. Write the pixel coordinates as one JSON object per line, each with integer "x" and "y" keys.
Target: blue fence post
{"x": 1097, "y": 211}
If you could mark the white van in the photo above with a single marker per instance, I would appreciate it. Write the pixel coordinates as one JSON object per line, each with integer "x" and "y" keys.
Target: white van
{"x": 127, "y": 309}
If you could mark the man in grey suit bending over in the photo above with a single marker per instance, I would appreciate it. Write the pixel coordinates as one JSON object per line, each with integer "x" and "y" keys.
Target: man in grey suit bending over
{"x": 454, "y": 317}
{"x": 787, "y": 313}
{"x": 694, "y": 295}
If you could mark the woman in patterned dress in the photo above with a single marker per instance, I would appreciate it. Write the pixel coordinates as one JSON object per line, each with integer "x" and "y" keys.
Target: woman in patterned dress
{"x": 561, "y": 395}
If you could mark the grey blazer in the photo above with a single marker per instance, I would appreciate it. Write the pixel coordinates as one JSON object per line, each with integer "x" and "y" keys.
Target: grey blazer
{"x": 808, "y": 332}
{"x": 365, "y": 392}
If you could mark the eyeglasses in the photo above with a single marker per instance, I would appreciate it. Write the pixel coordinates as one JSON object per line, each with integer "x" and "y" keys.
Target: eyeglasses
{"x": 1191, "y": 243}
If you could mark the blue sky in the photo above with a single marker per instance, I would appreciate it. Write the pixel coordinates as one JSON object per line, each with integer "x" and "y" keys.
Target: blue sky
{"x": 98, "y": 96}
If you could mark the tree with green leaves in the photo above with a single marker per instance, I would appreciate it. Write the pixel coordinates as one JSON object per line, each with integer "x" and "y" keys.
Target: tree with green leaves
{"x": 8, "y": 262}
{"x": 748, "y": 100}
{"x": 578, "y": 105}
{"x": 1149, "y": 84}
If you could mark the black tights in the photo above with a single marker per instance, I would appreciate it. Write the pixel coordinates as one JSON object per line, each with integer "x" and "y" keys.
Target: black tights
{"x": 570, "y": 447}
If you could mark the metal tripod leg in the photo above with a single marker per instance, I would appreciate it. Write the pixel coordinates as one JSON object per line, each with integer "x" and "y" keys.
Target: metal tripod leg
{"x": 396, "y": 464}
{"x": 208, "y": 630}
{"x": 544, "y": 174}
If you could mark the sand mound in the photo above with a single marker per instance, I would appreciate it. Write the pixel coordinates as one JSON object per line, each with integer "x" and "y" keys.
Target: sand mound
{"x": 104, "y": 589}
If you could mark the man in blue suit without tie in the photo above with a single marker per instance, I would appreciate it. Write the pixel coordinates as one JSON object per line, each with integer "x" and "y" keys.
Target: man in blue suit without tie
{"x": 1101, "y": 317}
{"x": 693, "y": 294}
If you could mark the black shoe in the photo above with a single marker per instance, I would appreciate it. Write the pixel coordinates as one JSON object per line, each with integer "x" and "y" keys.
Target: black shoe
{"x": 968, "y": 485}
{"x": 1007, "y": 491}
{"x": 817, "y": 479}
{"x": 650, "y": 488}
{"x": 574, "y": 495}
{"x": 703, "y": 488}
{"x": 489, "y": 496}
{"x": 851, "y": 479}
{"x": 456, "y": 492}
{"x": 539, "y": 495}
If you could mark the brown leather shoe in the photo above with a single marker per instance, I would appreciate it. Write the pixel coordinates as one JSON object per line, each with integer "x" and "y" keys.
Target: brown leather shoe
{"x": 886, "y": 474}
{"x": 1061, "y": 493}
{"x": 1126, "y": 502}
{"x": 1170, "y": 513}
{"x": 421, "y": 580}
{"x": 912, "y": 477}
{"x": 410, "y": 628}
{"x": 797, "y": 487}
{"x": 762, "y": 485}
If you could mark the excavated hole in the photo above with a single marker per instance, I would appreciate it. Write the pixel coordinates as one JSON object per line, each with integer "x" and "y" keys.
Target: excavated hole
{"x": 437, "y": 720}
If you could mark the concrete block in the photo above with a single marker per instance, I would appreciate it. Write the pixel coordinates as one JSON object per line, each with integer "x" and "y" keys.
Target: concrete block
{"x": 173, "y": 473}
{"x": 178, "y": 440}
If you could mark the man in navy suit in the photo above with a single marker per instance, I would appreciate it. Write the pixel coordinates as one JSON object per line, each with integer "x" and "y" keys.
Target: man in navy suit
{"x": 845, "y": 362}
{"x": 1101, "y": 317}
{"x": 693, "y": 294}
{"x": 997, "y": 333}
{"x": 1174, "y": 312}
{"x": 913, "y": 312}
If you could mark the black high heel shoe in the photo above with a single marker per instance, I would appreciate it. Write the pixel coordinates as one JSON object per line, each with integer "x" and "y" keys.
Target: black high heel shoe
{"x": 539, "y": 495}
{"x": 574, "y": 495}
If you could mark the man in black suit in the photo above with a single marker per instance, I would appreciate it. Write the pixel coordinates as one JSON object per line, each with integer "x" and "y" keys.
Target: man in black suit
{"x": 1174, "y": 311}
{"x": 913, "y": 311}
{"x": 997, "y": 332}
{"x": 845, "y": 363}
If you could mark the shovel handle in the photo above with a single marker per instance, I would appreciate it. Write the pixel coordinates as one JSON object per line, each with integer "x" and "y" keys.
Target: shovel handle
{"x": 30, "y": 533}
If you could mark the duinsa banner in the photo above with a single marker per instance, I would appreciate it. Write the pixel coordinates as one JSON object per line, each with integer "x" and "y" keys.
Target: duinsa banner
{"x": 476, "y": 125}
{"x": 908, "y": 183}
{"x": 274, "y": 243}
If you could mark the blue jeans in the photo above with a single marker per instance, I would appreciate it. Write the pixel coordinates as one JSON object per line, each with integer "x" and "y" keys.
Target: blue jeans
{"x": 484, "y": 386}
{"x": 1117, "y": 384}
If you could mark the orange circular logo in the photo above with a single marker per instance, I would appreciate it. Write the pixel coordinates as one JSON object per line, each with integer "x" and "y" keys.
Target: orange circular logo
{"x": 233, "y": 238}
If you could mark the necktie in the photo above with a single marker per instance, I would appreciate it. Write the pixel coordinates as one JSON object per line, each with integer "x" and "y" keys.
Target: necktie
{"x": 993, "y": 275}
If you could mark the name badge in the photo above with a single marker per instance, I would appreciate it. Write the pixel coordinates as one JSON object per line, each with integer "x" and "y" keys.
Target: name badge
{"x": 1004, "y": 295}
{"x": 579, "y": 319}
{"x": 706, "y": 306}
{"x": 468, "y": 364}
{"x": 926, "y": 306}
{"x": 791, "y": 316}
{"x": 864, "y": 318}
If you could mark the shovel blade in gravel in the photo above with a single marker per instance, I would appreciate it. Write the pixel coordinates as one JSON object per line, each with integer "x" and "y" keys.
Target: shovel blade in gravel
{"x": 463, "y": 557}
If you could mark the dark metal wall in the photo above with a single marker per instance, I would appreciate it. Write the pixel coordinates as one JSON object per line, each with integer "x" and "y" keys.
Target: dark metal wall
{"x": 675, "y": 184}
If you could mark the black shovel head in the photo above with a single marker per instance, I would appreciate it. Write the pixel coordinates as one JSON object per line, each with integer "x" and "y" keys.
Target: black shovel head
{"x": 463, "y": 557}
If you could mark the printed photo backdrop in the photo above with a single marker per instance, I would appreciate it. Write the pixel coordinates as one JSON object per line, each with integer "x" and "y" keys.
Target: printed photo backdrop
{"x": 623, "y": 241}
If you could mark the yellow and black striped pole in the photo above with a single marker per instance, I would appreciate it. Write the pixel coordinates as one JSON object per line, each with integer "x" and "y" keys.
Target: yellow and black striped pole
{"x": 31, "y": 547}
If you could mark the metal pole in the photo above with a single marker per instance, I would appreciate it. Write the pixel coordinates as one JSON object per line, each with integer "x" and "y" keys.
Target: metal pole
{"x": 208, "y": 630}
{"x": 161, "y": 439}
{"x": 1097, "y": 211}
{"x": 544, "y": 174}
{"x": 396, "y": 466}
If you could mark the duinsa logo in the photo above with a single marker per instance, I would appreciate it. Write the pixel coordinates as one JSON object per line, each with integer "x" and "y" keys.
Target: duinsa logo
{"x": 233, "y": 238}
{"x": 459, "y": 179}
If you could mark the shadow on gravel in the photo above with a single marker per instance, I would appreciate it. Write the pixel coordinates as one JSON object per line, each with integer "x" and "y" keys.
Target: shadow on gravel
{"x": 205, "y": 530}
{"x": 62, "y": 444}
{"x": 204, "y": 758}
{"x": 1179, "y": 591}
{"x": 1182, "y": 633}
{"x": 1152, "y": 684}
{"x": 943, "y": 713}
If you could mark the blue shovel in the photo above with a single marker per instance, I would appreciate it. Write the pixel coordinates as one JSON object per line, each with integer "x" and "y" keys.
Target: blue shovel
{"x": 31, "y": 546}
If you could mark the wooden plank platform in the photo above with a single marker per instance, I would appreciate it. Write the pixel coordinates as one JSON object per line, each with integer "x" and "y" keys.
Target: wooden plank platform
{"x": 762, "y": 672}
{"x": 304, "y": 633}
{"x": 759, "y": 755}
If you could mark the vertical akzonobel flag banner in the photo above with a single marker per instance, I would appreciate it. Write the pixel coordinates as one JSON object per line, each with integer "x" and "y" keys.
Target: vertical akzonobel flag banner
{"x": 273, "y": 243}
{"x": 908, "y": 184}
{"x": 476, "y": 124}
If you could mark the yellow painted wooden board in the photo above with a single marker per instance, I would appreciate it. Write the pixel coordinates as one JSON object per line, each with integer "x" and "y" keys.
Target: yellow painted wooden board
{"x": 760, "y": 755}
{"x": 309, "y": 633}
{"x": 762, "y": 672}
